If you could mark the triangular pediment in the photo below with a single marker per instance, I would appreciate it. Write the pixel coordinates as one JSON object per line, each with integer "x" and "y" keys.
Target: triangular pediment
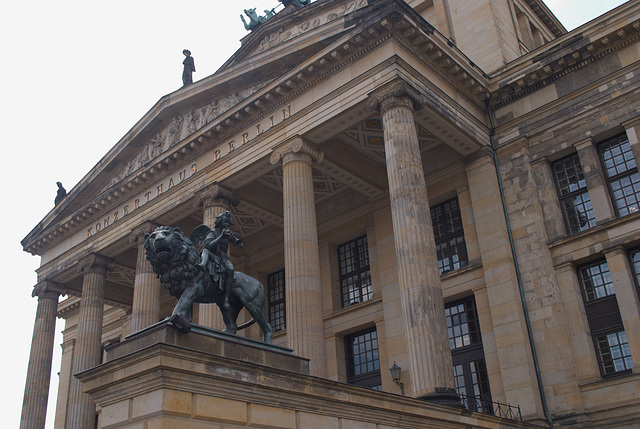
{"x": 279, "y": 61}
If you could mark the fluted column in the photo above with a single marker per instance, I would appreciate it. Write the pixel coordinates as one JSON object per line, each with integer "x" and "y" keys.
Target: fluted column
{"x": 420, "y": 289}
{"x": 301, "y": 255}
{"x": 36, "y": 390}
{"x": 145, "y": 310}
{"x": 215, "y": 200}
{"x": 82, "y": 409}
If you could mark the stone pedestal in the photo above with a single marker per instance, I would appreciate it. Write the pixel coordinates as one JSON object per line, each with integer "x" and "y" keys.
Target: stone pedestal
{"x": 161, "y": 378}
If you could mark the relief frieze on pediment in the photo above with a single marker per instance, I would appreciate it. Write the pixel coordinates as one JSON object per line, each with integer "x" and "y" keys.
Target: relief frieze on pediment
{"x": 284, "y": 34}
{"x": 179, "y": 128}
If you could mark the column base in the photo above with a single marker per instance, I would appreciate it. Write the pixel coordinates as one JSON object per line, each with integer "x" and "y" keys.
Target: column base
{"x": 443, "y": 396}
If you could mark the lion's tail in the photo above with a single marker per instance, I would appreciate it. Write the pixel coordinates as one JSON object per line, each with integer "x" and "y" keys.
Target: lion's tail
{"x": 246, "y": 324}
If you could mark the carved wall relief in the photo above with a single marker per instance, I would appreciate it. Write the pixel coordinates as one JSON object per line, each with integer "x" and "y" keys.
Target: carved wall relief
{"x": 181, "y": 127}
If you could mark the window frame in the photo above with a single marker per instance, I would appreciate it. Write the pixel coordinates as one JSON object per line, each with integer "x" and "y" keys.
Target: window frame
{"x": 570, "y": 195}
{"x": 276, "y": 300}
{"x": 630, "y": 173}
{"x": 450, "y": 229}
{"x": 371, "y": 379}
{"x": 357, "y": 275}
{"x": 603, "y": 314}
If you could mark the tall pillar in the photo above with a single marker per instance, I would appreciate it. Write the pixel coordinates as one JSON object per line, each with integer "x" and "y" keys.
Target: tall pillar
{"x": 82, "y": 409}
{"x": 420, "y": 289}
{"x": 36, "y": 390}
{"x": 215, "y": 200}
{"x": 301, "y": 254}
{"x": 146, "y": 289}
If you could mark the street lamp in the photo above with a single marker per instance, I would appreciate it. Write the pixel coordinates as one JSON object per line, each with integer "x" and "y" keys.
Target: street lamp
{"x": 396, "y": 373}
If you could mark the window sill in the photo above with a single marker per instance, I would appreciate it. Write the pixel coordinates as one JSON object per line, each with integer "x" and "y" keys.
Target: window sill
{"x": 610, "y": 381}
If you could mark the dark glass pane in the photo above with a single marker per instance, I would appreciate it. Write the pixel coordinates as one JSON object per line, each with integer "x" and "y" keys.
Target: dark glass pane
{"x": 449, "y": 236}
{"x": 275, "y": 285}
{"x": 355, "y": 275}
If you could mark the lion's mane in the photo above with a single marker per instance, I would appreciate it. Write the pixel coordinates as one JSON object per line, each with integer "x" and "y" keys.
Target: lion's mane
{"x": 177, "y": 273}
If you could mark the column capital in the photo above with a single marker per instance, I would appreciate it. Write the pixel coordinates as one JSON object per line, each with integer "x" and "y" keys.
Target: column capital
{"x": 138, "y": 233}
{"x": 566, "y": 266}
{"x": 296, "y": 146}
{"x": 95, "y": 263}
{"x": 212, "y": 194}
{"x": 396, "y": 93}
{"x": 543, "y": 160}
{"x": 49, "y": 289}
{"x": 635, "y": 122}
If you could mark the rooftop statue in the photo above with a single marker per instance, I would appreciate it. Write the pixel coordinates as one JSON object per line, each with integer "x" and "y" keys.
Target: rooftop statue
{"x": 254, "y": 20}
{"x": 205, "y": 277}
{"x": 297, "y": 3}
{"x": 61, "y": 193}
{"x": 189, "y": 68}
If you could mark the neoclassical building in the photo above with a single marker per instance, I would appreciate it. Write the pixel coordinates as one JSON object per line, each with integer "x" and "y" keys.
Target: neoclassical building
{"x": 449, "y": 186}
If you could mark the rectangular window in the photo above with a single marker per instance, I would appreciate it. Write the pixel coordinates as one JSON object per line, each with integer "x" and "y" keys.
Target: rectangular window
{"x": 574, "y": 196}
{"x": 449, "y": 235}
{"x": 605, "y": 322}
{"x": 469, "y": 367}
{"x": 621, "y": 172}
{"x": 275, "y": 284}
{"x": 355, "y": 275}
{"x": 363, "y": 362}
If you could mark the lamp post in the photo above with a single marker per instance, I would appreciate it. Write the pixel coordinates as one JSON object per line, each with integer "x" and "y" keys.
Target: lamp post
{"x": 396, "y": 373}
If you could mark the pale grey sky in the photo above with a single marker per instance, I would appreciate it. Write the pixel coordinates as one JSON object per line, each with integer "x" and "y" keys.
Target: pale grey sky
{"x": 75, "y": 77}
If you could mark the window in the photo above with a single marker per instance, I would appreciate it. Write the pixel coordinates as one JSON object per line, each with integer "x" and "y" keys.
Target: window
{"x": 449, "y": 235}
{"x": 603, "y": 314}
{"x": 275, "y": 283}
{"x": 621, "y": 172}
{"x": 355, "y": 276}
{"x": 363, "y": 363}
{"x": 469, "y": 367}
{"x": 574, "y": 197}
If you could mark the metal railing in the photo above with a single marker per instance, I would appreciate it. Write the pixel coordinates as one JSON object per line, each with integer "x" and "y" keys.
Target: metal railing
{"x": 485, "y": 406}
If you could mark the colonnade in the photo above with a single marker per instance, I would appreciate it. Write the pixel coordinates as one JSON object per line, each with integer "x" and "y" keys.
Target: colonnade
{"x": 419, "y": 279}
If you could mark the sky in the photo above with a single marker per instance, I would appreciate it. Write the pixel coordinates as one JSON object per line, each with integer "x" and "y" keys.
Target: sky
{"x": 75, "y": 76}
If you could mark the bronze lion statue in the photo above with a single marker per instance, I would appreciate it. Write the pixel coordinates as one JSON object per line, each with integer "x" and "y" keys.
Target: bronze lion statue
{"x": 177, "y": 263}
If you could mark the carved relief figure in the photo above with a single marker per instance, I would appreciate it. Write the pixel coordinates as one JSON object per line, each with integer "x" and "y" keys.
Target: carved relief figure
{"x": 175, "y": 130}
{"x": 193, "y": 117}
{"x": 157, "y": 144}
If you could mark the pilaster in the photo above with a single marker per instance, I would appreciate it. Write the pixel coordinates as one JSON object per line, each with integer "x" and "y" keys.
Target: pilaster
{"x": 592, "y": 170}
{"x": 632, "y": 129}
{"x": 305, "y": 331}
{"x": 548, "y": 198}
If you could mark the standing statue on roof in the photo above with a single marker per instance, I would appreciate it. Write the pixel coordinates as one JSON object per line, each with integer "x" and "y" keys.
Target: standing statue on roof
{"x": 189, "y": 68}
{"x": 297, "y": 3}
{"x": 61, "y": 193}
{"x": 254, "y": 20}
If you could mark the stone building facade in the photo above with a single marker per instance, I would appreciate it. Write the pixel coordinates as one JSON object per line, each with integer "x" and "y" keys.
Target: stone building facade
{"x": 447, "y": 185}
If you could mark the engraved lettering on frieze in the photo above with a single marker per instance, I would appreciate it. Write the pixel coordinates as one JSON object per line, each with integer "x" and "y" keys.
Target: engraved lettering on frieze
{"x": 283, "y": 35}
